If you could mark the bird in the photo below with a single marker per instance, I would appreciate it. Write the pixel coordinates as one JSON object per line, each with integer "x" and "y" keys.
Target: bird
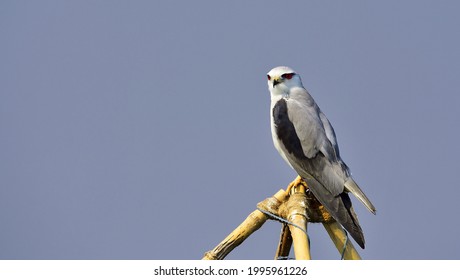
{"x": 306, "y": 140}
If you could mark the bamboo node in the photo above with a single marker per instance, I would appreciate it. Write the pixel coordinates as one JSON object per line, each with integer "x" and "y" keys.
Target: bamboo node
{"x": 209, "y": 256}
{"x": 296, "y": 205}
{"x": 270, "y": 204}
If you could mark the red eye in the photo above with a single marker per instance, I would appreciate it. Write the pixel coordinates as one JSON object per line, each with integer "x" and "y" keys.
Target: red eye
{"x": 287, "y": 76}
{"x": 268, "y": 77}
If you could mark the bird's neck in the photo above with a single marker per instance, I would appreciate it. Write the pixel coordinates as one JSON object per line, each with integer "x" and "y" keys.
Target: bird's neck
{"x": 279, "y": 92}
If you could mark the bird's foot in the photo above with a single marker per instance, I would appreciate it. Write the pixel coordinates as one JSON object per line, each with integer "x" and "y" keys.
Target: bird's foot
{"x": 298, "y": 181}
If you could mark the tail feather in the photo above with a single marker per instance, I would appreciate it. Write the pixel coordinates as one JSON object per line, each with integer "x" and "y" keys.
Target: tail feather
{"x": 352, "y": 187}
{"x": 340, "y": 208}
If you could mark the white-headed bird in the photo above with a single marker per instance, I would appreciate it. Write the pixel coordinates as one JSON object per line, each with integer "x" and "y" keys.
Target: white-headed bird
{"x": 306, "y": 140}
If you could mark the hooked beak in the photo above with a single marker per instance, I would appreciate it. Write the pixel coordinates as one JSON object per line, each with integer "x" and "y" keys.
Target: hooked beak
{"x": 275, "y": 82}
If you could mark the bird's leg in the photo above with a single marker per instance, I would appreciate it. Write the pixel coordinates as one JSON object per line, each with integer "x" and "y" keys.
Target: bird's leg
{"x": 297, "y": 181}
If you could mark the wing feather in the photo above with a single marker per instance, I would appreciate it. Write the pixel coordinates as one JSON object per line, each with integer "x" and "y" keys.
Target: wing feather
{"x": 320, "y": 159}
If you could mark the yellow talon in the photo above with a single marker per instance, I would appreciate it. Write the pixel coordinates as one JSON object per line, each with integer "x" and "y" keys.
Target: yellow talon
{"x": 298, "y": 181}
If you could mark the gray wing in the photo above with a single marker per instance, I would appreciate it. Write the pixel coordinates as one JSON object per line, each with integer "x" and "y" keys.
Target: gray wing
{"x": 316, "y": 136}
{"x": 330, "y": 133}
{"x": 327, "y": 143}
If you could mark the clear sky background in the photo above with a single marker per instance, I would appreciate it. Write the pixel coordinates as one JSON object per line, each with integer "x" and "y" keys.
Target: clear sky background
{"x": 140, "y": 130}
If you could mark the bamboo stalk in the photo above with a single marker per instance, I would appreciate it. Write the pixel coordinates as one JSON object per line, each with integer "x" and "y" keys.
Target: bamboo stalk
{"x": 285, "y": 243}
{"x": 299, "y": 238}
{"x": 296, "y": 214}
{"x": 338, "y": 236}
{"x": 252, "y": 223}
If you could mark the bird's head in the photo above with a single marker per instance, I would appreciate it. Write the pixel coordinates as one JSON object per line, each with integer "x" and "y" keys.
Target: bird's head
{"x": 281, "y": 79}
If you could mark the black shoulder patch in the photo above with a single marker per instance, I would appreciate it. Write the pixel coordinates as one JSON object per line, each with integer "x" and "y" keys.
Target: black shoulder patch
{"x": 285, "y": 130}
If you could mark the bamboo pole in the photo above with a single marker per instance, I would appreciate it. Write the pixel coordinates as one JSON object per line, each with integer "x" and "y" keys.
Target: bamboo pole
{"x": 285, "y": 243}
{"x": 299, "y": 238}
{"x": 297, "y": 215}
{"x": 252, "y": 223}
{"x": 339, "y": 237}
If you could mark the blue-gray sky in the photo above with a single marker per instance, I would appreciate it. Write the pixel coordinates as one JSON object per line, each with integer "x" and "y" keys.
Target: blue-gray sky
{"x": 140, "y": 130}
